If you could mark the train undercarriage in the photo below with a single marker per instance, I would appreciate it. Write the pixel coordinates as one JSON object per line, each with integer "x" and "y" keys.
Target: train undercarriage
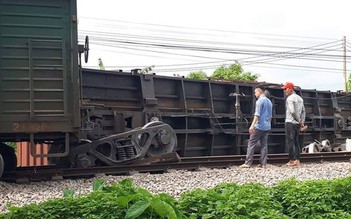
{"x": 153, "y": 139}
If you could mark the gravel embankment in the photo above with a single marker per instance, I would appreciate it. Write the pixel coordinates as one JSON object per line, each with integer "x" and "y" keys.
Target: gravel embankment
{"x": 173, "y": 183}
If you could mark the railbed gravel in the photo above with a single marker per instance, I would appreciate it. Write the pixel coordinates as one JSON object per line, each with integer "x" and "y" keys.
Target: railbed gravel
{"x": 173, "y": 182}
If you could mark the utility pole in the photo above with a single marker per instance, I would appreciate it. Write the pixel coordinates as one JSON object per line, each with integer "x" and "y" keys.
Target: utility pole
{"x": 344, "y": 69}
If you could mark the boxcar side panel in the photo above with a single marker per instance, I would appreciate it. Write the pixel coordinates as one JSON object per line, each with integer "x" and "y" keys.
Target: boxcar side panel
{"x": 38, "y": 66}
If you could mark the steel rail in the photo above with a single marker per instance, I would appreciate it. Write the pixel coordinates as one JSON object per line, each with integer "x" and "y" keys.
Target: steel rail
{"x": 27, "y": 174}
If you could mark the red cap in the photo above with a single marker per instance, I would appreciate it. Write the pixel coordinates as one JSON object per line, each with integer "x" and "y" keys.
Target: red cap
{"x": 288, "y": 85}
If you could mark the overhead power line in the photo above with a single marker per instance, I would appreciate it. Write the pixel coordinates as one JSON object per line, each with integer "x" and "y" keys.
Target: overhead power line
{"x": 224, "y": 60}
{"x": 320, "y": 47}
{"x": 207, "y": 49}
{"x": 161, "y": 52}
{"x": 216, "y": 52}
{"x": 302, "y": 70}
{"x": 279, "y": 54}
{"x": 205, "y": 29}
{"x": 101, "y": 35}
{"x": 331, "y": 70}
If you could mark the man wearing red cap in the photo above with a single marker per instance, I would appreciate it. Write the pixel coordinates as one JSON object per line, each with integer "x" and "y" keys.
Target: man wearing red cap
{"x": 294, "y": 121}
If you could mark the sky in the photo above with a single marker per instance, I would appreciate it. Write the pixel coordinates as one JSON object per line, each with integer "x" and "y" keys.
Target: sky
{"x": 298, "y": 41}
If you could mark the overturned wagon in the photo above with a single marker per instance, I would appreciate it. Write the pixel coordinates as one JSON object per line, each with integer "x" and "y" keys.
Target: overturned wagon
{"x": 209, "y": 117}
{"x": 91, "y": 117}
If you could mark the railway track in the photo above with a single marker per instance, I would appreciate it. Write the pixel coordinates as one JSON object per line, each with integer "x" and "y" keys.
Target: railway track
{"x": 27, "y": 174}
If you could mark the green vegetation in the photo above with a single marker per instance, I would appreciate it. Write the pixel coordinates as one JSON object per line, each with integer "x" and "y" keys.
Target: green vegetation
{"x": 233, "y": 72}
{"x": 147, "y": 69}
{"x": 315, "y": 199}
{"x": 12, "y": 144}
{"x": 121, "y": 200}
{"x": 288, "y": 199}
{"x": 231, "y": 201}
{"x": 226, "y": 72}
{"x": 348, "y": 84}
{"x": 199, "y": 75}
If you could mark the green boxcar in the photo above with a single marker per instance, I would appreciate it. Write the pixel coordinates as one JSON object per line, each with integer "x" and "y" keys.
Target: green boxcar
{"x": 39, "y": 79}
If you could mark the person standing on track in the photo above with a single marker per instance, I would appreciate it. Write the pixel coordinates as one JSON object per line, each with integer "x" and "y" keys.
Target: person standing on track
{"x": 259, "y": 128}
{"x": 294, "y": 122}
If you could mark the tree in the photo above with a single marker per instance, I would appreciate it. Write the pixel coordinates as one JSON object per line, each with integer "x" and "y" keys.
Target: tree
{"x": 234, "y": 72}
{"x": 348, "y": 84}
{"x": 148, "y": 69}
{"x": 199, "y": 75}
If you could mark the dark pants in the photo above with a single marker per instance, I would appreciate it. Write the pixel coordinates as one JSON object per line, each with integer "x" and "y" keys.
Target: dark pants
{"x": 292, "y": 140}
{"x": 257, "y": 138}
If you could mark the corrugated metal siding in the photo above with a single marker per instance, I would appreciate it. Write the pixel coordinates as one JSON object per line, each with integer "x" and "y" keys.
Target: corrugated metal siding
{"x": 25, "y": 159}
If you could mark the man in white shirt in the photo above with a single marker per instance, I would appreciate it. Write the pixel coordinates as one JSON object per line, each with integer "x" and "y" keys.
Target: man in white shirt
{"x": 294, "y": 121}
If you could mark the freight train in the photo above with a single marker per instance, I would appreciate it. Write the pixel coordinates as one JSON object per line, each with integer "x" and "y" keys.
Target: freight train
{"x": 91, "y": 117}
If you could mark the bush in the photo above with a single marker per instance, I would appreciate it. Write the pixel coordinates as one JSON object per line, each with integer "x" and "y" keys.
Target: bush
{"x": 315, "y": 199}
{"x": 288, "y": 199}
{"x": 121, "y": 200}
{"x": 233, "y": 72}
{"x": 231, "y": 201}
{"x": 198, "y": 75}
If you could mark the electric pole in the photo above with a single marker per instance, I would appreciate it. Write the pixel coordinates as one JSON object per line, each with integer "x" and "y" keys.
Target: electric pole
{"x": 344, "y": 69}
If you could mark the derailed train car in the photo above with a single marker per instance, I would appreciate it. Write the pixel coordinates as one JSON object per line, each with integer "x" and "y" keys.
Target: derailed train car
{"x": 92, "y": 117}
{"x": 40, "y": 92}
{"x": 210, "y": 117}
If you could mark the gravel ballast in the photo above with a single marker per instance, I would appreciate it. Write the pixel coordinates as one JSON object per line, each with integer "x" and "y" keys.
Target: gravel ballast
{"x": 173, "y": 182}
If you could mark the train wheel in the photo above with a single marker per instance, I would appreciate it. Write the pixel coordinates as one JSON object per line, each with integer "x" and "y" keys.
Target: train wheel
{"x": 1, "y": 165}
{"x": 62, "y": 162}
{"x": 9, "y": 157}
{"x": 85, "y": 160}
{"x": 165, "y": 140}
